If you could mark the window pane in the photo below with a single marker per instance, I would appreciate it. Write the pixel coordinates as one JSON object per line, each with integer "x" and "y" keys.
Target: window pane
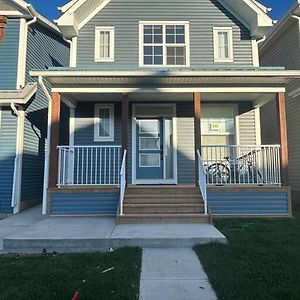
{"x": 147, "y": 143}
{"x": 149, "y": 126}
{"x": 180, "y": 39}
{"x": 148, "y": 39}
{"x": 170, "y": 39}
{"x": 180, "y": 29}
{"x": 158, "y": 60}
{"x": 148, "y": 50}
{"x": 158, "y": 50}
{"x": 158, "y": 29}
{"x": 176, "y": 56}
{"x": 104, "y": 44}
{"x": 104, "y": 122}
{"x": 147, "y": 29}
{"x": 149, "y": 160}
{"x": 158, "y": 39}
{"x": 170, "y": 29}
{"x": 148, "y": 60}
{"x": 223, "y": 45}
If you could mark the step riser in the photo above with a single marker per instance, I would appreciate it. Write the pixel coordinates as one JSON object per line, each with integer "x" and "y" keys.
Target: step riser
{"x": 141, "y": 220}
{"x": 148, "y": 200}
{"x": 162, "y": 192}
{"x": 162, "y": 210}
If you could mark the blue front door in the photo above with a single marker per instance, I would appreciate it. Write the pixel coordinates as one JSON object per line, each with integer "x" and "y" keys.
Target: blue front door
{"x": 149, "y": 148}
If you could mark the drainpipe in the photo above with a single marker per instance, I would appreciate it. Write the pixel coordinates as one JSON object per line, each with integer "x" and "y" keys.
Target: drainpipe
{"x": 47, "y": 156}
{"x": 16, "y": 191}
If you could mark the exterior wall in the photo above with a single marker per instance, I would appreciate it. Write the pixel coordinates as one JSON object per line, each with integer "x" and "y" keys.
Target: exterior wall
{"x": 283, "y": 50}
{"x": 84, "y": 203}
{"x": 202, "y": 15}
{"x": 248, "y": 202}
{"x": 45, "y": 49}
{"x": 8, "y": 125}
{"x": 9, "y": 55}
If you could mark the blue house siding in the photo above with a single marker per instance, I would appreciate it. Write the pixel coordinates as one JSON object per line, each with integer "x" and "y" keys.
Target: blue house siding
{"x": 45, "y": 49}
{"x": 9, "y": 55}
{"x": 93, "y": 203}
{"x": 248, "y": 203}
{"x": 8, "y": 127}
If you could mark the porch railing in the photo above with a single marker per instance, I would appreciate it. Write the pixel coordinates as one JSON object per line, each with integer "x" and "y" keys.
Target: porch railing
{"x": 202, "y": 181}
{"x": 236, "y": 164}
{"x": 123, "y": 183}
{"x": 89, "y": 165}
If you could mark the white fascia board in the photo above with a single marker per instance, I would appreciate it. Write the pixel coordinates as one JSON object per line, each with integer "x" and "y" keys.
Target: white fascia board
{"x": 11, "y": 13}
{"x": 208, "y": 73}
{"x": 67, "y": 6}
{"x": 68, "y": 25}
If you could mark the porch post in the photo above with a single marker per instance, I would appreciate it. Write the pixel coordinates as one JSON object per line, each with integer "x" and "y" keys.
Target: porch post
{"x": 125, "y": 120}
{"x": 197, "y": 130}
{"x": 54, "y": 140}
{"x": 283, "y": 138}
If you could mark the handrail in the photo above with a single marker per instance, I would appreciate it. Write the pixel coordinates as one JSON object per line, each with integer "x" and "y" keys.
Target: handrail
{"x": 122, "y": 183}
{"x": 202, "y": 181}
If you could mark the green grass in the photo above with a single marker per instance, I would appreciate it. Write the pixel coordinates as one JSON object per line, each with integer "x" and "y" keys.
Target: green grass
{"x": 57, "y": 277}
{"x": 260, "y": 262}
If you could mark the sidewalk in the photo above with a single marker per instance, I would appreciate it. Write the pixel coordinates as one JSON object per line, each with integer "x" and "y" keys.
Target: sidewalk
{"x": 173, "y": 274}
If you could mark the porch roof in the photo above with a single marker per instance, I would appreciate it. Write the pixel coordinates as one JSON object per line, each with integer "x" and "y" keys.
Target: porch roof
{"x": 205, "y": 79}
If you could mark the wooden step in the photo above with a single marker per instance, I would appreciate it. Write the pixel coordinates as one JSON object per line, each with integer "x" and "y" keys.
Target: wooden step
{"x": 163, "y": 208}
{"x": 163, "y": 199}
{"x": 163, "y": 191}
{"x": 162, "y": 218}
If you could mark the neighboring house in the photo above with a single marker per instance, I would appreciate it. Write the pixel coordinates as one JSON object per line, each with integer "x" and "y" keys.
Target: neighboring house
{"x": 160, "y": 93}
{"x": 282, "y": 47}
{"x": 27, "y": 41}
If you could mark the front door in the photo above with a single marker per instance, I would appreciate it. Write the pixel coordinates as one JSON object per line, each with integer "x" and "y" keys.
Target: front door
{"x": 154, "y": 150}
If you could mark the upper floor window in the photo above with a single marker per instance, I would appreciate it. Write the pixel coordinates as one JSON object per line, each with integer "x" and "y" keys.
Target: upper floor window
{"x": 164, "y": 44}
{"x": 104, "y": 123}
{"x": 104, "y": 44}
{"x": 223, "y": 44}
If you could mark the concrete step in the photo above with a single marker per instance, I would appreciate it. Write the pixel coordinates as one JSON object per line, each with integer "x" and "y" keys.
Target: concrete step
{"x": 163, "y": 208}
{"x": 163, "y": 199}
{"x": 163, "y": 218}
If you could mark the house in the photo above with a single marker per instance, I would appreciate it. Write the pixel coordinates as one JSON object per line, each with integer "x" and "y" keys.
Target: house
{"x": 164, "y": 101}
{"x": 27, "y": 40}
{"x": 282, "y": 46}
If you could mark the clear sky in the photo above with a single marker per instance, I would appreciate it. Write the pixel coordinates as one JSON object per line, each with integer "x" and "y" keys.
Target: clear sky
{"x": 49, "y": 7}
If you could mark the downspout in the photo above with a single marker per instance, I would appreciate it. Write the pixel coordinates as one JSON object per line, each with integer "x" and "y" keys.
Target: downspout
{"x": 47, "y": 156}
{"x": 16, "y": 191}
{"x": 17, "y": 180}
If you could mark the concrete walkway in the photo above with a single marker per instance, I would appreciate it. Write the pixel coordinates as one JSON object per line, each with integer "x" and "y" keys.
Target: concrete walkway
{"x": 90, "y": 234}
{"x": 19, "y": 222}
{"x": 173, "y": 274}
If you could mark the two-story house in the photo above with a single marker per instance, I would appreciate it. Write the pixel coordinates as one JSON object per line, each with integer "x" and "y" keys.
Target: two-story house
{"x": 27, "y": 41}
{"x": 282, "y": 47}
{"x": 165, "y": 104}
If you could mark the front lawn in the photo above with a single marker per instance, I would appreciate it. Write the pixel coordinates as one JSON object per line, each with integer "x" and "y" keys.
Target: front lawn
{"x": 112, "y": 275}
{"x": 260, "y": 262}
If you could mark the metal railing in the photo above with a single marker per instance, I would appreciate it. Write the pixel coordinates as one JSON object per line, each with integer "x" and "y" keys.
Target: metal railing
{"x": 239, "y": 164}
{"x": 89, "y": 165}
{"x": 202, "y": 181}
{"x": 123, "y": 183}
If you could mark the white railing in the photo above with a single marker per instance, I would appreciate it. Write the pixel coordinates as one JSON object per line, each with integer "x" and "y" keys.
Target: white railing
{"x": 202, "y": 181}
{"x": 123, "y": 183}
{"x": 89, "y": 165}
{"x": 237, "y": 164}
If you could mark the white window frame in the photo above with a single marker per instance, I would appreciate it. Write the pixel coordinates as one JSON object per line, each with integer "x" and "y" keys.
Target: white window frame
{"x": 186, "y": 25}
{"x": 216, "y": 31}
{"x": 97, "y": 137}
{"x": 111, "y": 30}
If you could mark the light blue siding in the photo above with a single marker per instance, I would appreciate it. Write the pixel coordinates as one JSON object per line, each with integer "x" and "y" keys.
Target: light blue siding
{"x": 9, "y": 55}
{"x": 125, "y": 15}
{"x": 45, "y": 49}
{"x": 93, "y": 203}
{"x": 248, "y": 203}
{"x": 8, "y": 127}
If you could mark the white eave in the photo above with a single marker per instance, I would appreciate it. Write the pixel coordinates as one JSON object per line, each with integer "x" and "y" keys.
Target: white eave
{"x": 20, "y": 97}
{"x": 251, "y": 13}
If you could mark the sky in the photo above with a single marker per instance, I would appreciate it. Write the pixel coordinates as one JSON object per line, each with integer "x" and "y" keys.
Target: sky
{"x": 49, "y": 7}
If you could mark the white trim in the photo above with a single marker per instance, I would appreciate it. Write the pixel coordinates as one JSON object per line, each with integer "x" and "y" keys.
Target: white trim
{"x": 10, "y": 13}
{"x": 73, "y": 52}
{"x": 229, "y": 31}
{"x": 111, "y": 30}
{"x": 257, "y": 125}
{"x": 164, "y": 44}
{"x": 72, "y": 126}
{"x": 133, "y": 157}
{"x": 111, "y": 108}
{"x": 255, "y": 54}
{"x": 253, "y": 89}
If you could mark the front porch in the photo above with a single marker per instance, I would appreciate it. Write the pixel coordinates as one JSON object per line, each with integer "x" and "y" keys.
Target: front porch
{"x": 137, "y": 151}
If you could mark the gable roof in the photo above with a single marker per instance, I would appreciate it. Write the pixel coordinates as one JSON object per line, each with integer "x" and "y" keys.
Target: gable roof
{"x": 21, "y": 8}
{"x": 77, "y": 13}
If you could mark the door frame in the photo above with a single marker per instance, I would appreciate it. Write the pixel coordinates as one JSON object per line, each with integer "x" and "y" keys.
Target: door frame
{"x": 133, "y": 159}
